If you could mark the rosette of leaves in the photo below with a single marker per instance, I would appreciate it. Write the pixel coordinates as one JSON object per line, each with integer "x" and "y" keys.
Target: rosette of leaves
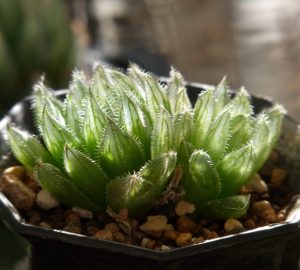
{"x": 118, "y": 139}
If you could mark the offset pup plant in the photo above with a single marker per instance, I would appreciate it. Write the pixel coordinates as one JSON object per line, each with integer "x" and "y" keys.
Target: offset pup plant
{"x": 128, "y": 141}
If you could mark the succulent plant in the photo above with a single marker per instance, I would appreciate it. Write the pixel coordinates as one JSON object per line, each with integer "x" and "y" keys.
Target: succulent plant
{"x": 35, "y": 38}
{"x": 127, "y": 140}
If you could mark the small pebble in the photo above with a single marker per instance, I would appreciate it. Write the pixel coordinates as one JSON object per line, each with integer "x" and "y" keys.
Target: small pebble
{"x": 119, "y": 237}
{"x": 183, "y": 239}
{"x": 278, "y": 176}
{"x": 281, "y": 215}
{"x": 113, "y": 227}
{"x": 147, "y": 243}
{"x": 185, "y": 224}
{"x": 169, "y": 227}
{"x": 171, "y": 235}
{"x": 83, "y": 213}
{"x": 265, "y": 211}
{"x": 91, "y": 230}
{"x": 184, "y": 208}
{"x": 232, "y": 225}
{"x": 261, "y": 206}
{"x": 17, "y": 171}
{"x": 164, "y": 248}
{"x": 46, "y": 200}
{"x": 71, "y": 216}
{"x": 30, "y": 182}
{"x": 17, "y": 192}
{"x": 104, "y": 235}
{"x": 73, "y": 228}
{"x": 45, "y": 225}
{"x": 212, "y": 235}
{"x": 257, "y": 184}
{"x": 72, "y": 221}
{"x": 154, "y": 225}
{"x": 198, "y": 240}
{"x": 249, "y": 224}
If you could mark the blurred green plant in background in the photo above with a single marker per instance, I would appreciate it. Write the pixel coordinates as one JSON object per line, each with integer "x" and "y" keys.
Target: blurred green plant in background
{"x": 35, "y": 39}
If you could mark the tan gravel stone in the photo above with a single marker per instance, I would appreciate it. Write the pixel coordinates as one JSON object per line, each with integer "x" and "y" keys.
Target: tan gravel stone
{"x": 185, "y": 224}
{"x": 171, "y": 235}
{"x": 45, "y": 225}
{"x": 265, "y": 211}
{"x": 104, "y": 235}
{"x": 154, "y": 225}
{"x": 83, "y": 213}
{"x": 113, "y": 227}
{"x": 147, "y": 243}
{"x": 249, "y": 224}
{"x": 119, "y": 237}
{"x": 17, "y": 171}
{"x": 232, "y": 225}
{"x": 183, "y": 239}
{"x": 17, "y": 192}
{"x": 198, "y": 240}
{"x": 257, "y": 184}
{"x": 184, "y": 208}
{"x": 278, "y": 176}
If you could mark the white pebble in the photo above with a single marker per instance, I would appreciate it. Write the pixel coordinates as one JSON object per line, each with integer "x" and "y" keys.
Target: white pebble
{"x": 83, "y": 213}
{"x": 45, "y": 200}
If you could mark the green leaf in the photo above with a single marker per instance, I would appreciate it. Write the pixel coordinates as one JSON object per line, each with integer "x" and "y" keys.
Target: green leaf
{"x": 221, "y": 96}
{"x": 185, "y": 151}
{"x": 132, "y": 192}
{"x": 55, "y": 136}
{"x": 240, "y": 132}
{"x": 236, "y": 168}
{"x": 79, "y": 87}
{"x": 203, "y": 183}
{"x": 266, "y": 133}
{"x": 203, "y": 116}
{"x": 182, "y": 101}
{"x": 176, "y": 92}
{"x": 86, "y": 175}
{"x": 94, "y": 123}
{"x": 162, "y": 139}
{"x": 155, "y": 96}
{"x": 229, "y": 207}
{"x": 175, "y": 83}
{"x": 158, "y": 170}
{"x": 62, "y": 187}
{"x": 44, "y": 98}
{"x": 133, "y": 119}
{"x": 101, "y": 85}
{"x": 275, "y": 117}
{"x": 183, "y": 127}
{"x": 73, "y": 115}
{"x": 26, "y": 148}
{"x": 240, "y": 104}
{"x": 218, "y": 136}
{"x": 119, "y": 152}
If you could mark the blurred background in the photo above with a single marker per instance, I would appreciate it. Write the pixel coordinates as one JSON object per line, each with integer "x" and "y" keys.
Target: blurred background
{"x": 254, "y": 43}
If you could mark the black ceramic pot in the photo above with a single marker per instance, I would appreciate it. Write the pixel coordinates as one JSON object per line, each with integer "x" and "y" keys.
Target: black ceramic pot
{"x": 271, "y": 247}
